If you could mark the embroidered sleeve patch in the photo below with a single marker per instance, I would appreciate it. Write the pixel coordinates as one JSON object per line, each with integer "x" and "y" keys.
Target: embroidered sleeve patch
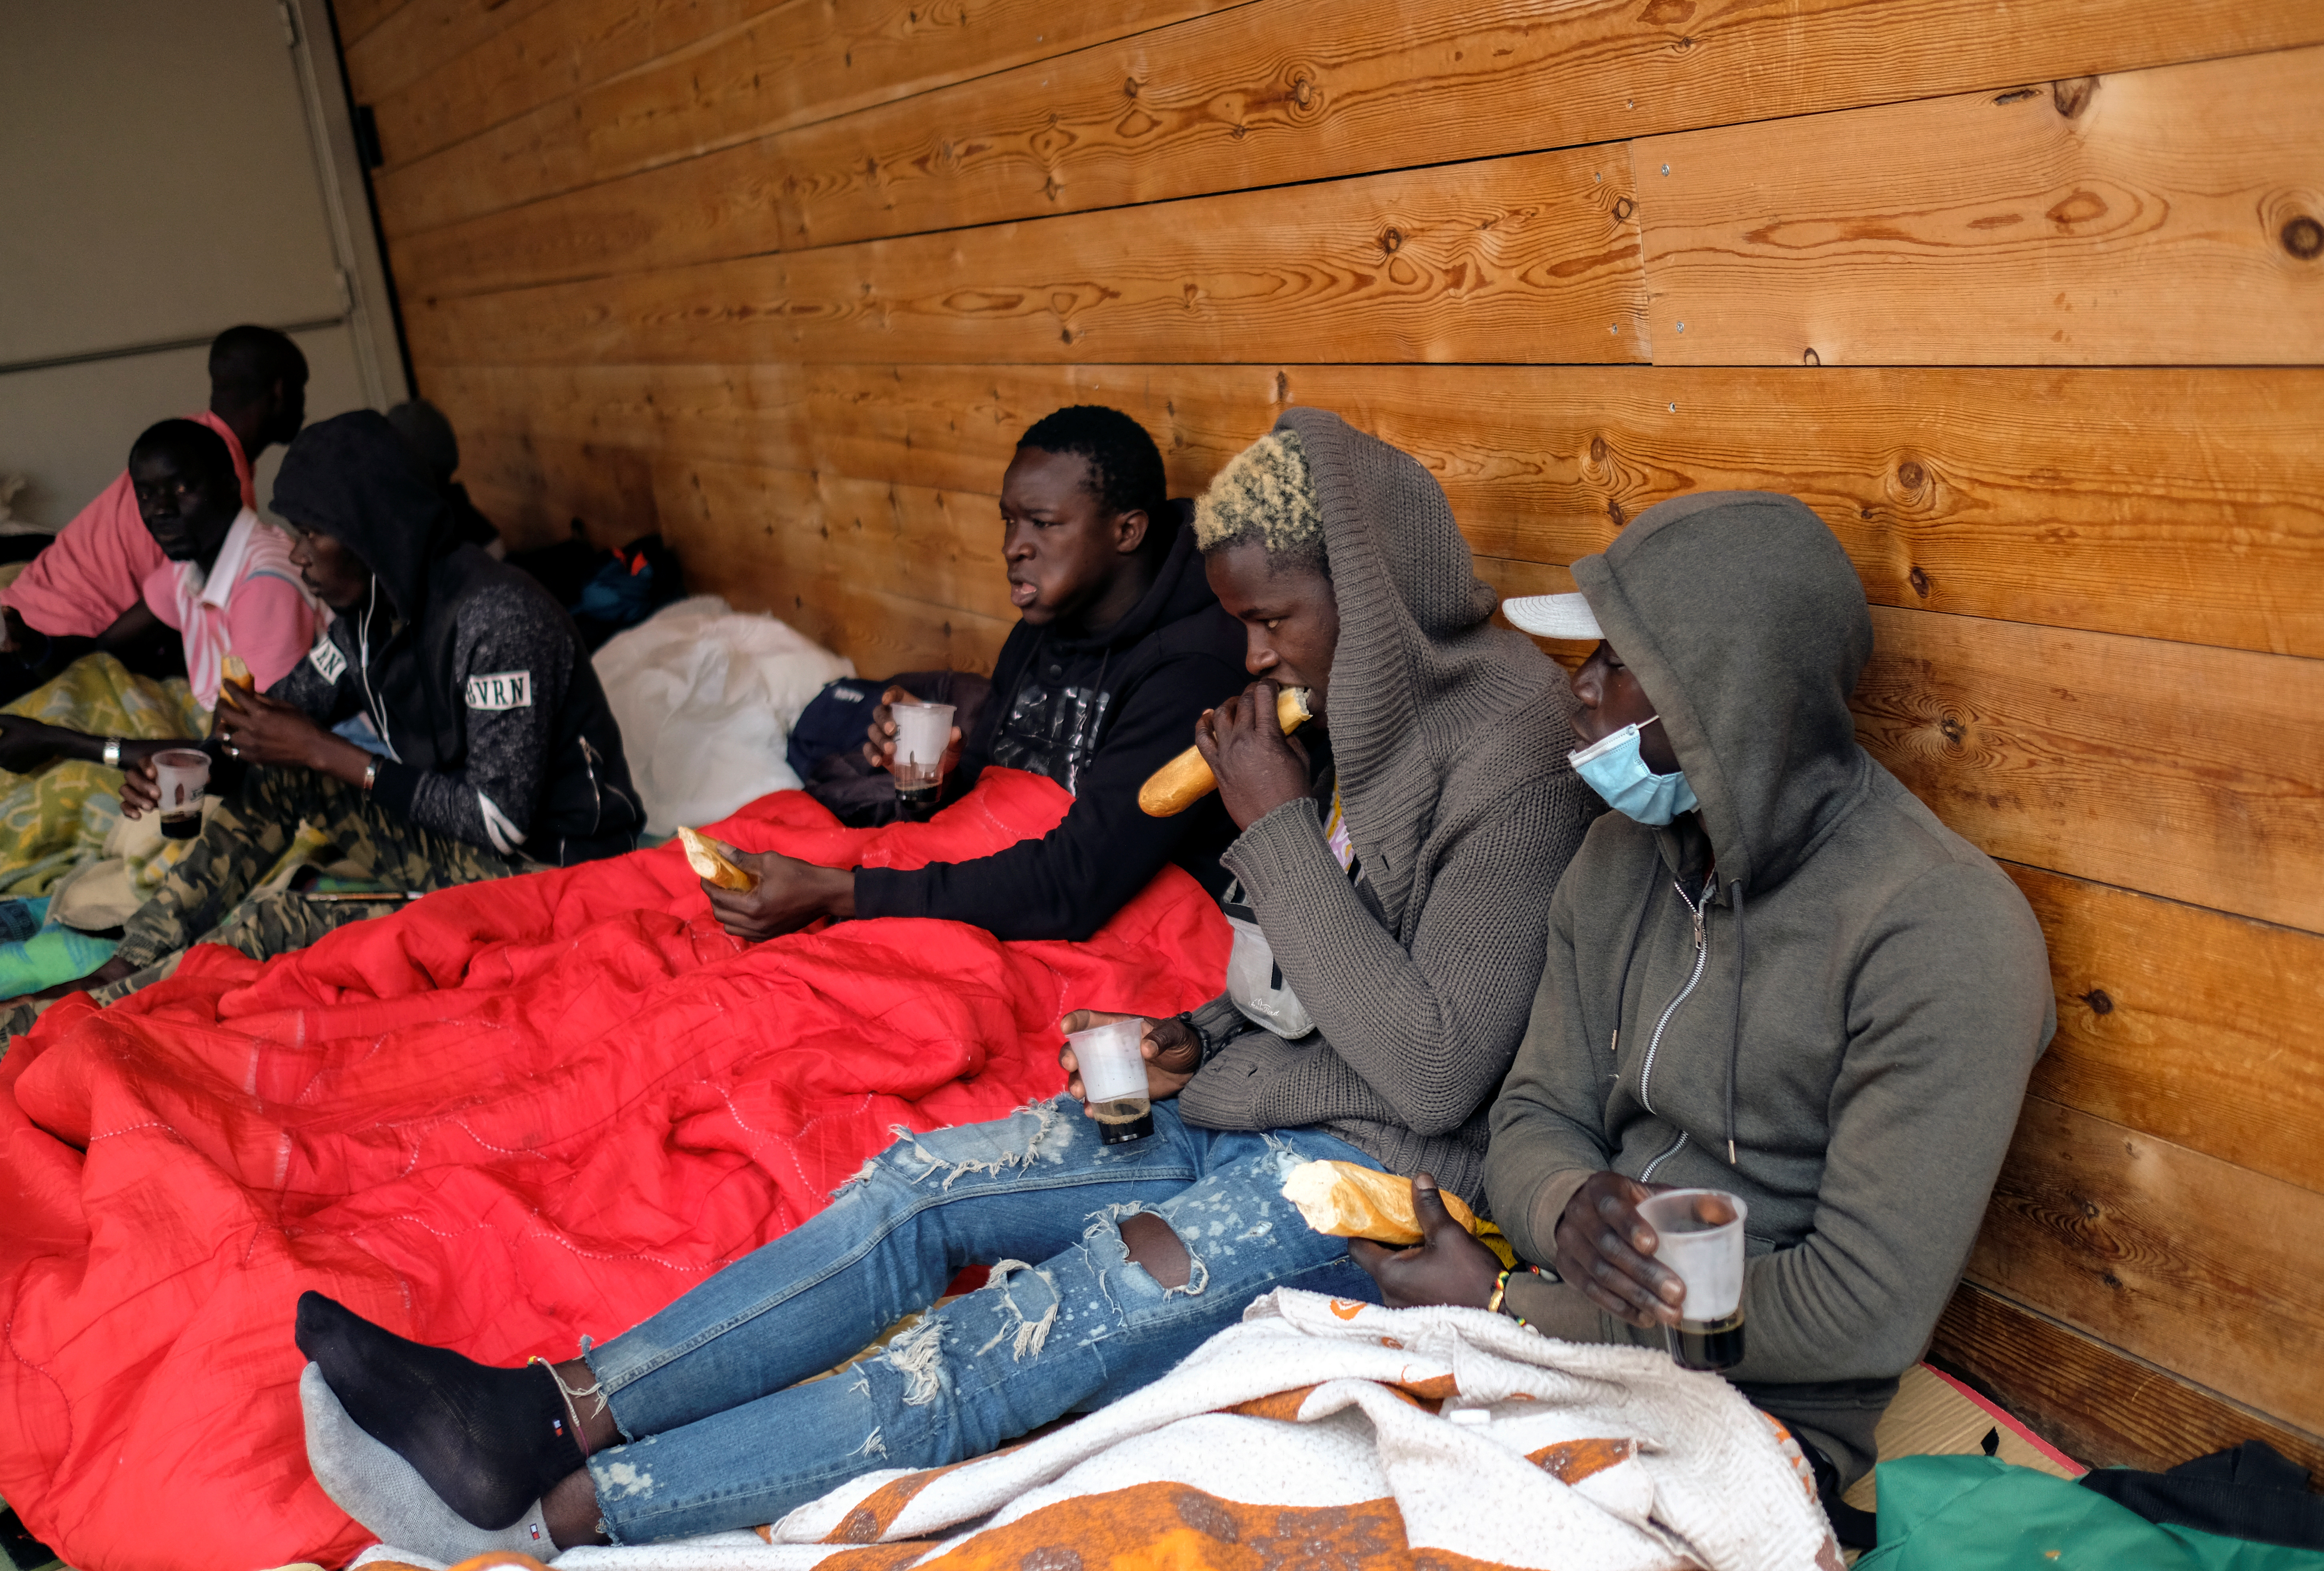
{"x": 501, "y": 690}
{"x": 326, "y": 658}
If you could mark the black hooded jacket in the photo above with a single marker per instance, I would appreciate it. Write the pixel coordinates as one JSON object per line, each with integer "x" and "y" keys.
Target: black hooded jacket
{"x": 1097, "y": 714}
{"x": 499, "y": 734}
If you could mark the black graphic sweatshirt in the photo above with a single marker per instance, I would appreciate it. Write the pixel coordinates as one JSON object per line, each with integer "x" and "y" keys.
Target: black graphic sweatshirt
{"x": 499, "y": 732}
{"x": 1097, "y": 713}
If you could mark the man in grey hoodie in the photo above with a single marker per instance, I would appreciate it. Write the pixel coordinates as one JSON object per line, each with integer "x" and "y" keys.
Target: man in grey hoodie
{"x": 1772, "y": 972}
{"x": 1391, "y": 856}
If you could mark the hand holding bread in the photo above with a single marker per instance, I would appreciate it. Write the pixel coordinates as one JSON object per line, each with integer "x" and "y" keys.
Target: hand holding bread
{"x": 710, "y": 860}
{"x": 1187, "y": 778}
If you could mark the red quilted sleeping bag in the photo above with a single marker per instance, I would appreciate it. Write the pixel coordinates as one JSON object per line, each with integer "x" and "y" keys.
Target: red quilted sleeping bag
{"x": 506, "y": 1116}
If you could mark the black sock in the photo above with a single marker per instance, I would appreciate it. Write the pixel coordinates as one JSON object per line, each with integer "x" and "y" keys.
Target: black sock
{"x": 489, "y": 1441}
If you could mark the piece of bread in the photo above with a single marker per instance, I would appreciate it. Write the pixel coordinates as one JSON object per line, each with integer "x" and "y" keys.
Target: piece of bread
{"x": 1186, "y": 779}
{"x": 708, "y": 858}
{"x": 1347, "y": 1201}
{"x": 235, "y": 672}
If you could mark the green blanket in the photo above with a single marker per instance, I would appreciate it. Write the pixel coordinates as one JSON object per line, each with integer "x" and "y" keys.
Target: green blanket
{"x": 1971, "y": 1514}
{"x": 58, "y": 818}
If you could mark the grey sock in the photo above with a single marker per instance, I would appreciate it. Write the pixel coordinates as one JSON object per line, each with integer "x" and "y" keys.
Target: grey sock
{"x": 387, "y": 1495}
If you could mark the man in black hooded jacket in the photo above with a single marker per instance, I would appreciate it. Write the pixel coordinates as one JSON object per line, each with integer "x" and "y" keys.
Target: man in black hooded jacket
{"x": 501, "y": 754}
{"x": 1122, "y": 645}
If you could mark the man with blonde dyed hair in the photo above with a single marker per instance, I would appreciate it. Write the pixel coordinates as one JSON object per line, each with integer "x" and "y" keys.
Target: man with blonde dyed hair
{"x": 1391, "y": 856}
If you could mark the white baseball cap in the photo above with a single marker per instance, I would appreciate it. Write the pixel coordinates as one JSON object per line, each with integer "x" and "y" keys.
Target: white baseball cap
{"x": 1554, "y": 617}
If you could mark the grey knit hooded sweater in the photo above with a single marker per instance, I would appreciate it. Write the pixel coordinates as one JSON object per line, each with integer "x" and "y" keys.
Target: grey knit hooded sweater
{"x": 1449, "y": 738}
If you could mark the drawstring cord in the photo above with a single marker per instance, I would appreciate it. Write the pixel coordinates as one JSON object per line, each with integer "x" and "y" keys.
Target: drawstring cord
{"x": 1735, "y": 1023}
{"x": 1735, "y": 1013}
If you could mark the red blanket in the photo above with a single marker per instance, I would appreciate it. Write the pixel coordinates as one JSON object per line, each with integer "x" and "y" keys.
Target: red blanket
{"x": 507, "y": 1117}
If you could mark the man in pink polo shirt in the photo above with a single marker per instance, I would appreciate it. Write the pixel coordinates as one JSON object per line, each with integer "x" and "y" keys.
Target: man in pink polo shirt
{"x": 226, "y": 584}
{"x": 86, "y": 591}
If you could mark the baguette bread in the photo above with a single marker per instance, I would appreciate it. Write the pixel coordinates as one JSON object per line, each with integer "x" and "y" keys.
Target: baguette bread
{"x": 1186, "y": 779}
{"x": 707, "y": 857}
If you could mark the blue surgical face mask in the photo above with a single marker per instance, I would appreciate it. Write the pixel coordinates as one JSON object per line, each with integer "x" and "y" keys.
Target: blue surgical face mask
{"x": 1614, "y": 768}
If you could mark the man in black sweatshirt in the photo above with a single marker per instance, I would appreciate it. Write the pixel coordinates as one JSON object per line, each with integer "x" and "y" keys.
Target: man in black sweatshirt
{"x": 1121, "y": 646}
{"x": 500, "y": 752}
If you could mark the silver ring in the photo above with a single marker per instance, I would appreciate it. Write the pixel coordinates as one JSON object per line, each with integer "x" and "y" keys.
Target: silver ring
{"x": 232, "y": 751}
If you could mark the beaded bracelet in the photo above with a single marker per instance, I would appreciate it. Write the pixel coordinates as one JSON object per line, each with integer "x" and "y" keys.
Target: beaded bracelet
{"x": 1498, "y": 1303}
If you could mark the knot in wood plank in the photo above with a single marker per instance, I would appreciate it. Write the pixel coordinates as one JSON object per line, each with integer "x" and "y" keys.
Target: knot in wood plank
{"x": 2071, "y": 95}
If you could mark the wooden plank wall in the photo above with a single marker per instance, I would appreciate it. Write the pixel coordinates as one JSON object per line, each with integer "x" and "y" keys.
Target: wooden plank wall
{"x": 2024, "y": 297}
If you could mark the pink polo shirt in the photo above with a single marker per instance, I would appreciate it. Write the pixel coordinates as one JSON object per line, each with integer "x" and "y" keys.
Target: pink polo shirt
{"x": 250, "y": 603}
{"x": 96, "y": 566}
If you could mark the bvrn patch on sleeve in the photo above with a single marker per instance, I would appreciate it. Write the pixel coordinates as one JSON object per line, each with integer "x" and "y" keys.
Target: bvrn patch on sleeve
{"x": 501, "y": 690}
{"x": 326, "y": 658}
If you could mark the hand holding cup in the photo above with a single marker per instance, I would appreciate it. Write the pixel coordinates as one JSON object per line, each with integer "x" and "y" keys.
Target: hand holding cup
{"x": 880, "y": 739}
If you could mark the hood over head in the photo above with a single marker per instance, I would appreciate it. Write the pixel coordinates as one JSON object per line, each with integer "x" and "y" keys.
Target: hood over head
{"x": 429, "y": 438}
{"x": 1746, "y": 623}
{"x": 1419, "y": 659}
{"x": 352, "y": 478}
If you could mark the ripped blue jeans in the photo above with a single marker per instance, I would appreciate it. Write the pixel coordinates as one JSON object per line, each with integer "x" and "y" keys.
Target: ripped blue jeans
{"x": 719, "y": 1434}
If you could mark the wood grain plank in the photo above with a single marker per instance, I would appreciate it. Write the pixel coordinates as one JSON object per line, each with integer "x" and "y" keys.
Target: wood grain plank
{"x": 410, "y": 38}
{"x": 2169, "y": 1254}
{"x": 938, "y": 426}
{"x": 1522, "y": 259}
{"x": 2075, "y": 222}
{"x": 1217, "y": 103}
{"x": 1222, "y": 103}
{"x": 2205, "y": 1029}
{"x": 2028, "y": 495}
{"x": 555, "y": 51}
{"x": 802, "y": 61}
{"x": 355, "y": 18}
{"x": 2097, "y": 1403}
{"x": 2193, "y": 774}
{"x": 721, "y": 206}
{"x": 535, "y": 488}
{"x": 805, "y": 548}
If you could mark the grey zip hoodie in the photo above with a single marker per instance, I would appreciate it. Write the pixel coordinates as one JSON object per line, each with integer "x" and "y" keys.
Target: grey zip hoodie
{"x": 1855, "y": 1024}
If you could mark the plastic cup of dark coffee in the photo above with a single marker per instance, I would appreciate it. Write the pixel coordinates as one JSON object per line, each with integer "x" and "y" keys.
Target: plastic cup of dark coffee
{"x": 1112, "y": 1068}
{"x": 1699, "y": 1234}
{"x": 923, "y": 735}
{"x": 181, "y": 775}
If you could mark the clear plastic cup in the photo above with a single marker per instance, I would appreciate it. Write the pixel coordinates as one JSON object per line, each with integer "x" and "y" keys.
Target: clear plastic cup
{"x": 182, "y": 775}
{"x": 1699, "y": 1234}
{"x": 1114, "y": 1079}
{"x": 923, "y": 733}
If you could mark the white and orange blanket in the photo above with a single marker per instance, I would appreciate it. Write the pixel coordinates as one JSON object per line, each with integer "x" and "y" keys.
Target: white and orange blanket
{"x": 1325, "y": 1434}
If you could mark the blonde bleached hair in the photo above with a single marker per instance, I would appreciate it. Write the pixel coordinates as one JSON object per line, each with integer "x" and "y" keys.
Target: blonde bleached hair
{"x": 1266, "y": 497}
